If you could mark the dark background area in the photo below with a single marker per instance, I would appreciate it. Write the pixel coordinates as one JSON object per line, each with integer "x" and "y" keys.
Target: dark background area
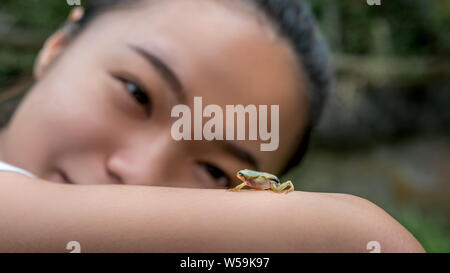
{"x": 385, "y": 134}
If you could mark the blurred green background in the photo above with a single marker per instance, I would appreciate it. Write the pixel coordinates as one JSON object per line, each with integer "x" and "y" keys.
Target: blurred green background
{"x": 385, "y": 134}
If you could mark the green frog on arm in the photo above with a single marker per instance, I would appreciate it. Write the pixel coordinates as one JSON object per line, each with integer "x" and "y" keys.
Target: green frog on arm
{"x": 262, "y": 181}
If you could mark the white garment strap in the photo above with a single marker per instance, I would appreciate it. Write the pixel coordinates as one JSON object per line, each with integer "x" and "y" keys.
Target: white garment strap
{"x": 5, "y": 167}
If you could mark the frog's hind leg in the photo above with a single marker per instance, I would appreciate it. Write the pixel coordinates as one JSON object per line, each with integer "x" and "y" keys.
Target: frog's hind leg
{"x": 280, "y": 187}
{"x": 238, "y": 187}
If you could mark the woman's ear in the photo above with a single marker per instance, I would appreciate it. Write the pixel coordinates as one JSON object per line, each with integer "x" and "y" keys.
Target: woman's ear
{"x": 52, "y": 48}
{"x": 54, "y": 45}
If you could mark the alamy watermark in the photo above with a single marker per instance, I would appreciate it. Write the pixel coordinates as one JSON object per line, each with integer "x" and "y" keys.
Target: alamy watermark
{"x": 74, "y": 246}
{"x": 73, "y": 2}
{"x": 213, "y": 129}
{"x": 373, "y": 2}
{"x": 374, "y": 247}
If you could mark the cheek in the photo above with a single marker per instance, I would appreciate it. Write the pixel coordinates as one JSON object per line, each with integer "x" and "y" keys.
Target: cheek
{"x": 78, "y": 122}
{"x": 51, "y": 125}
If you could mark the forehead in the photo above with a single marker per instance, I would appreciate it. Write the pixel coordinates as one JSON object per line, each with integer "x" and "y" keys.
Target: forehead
{"x": 221, "y": 51}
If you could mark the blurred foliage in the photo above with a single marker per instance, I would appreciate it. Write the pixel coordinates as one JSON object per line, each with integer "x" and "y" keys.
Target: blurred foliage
{"x": 429, "y": 229}
{"x": 396, "y": 29}
{"x": 35, "y": 14}
{"x": 416, "y": 27}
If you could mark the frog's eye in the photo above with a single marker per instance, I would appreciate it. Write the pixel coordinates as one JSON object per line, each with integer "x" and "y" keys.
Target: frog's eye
{"x": 275, "y": 180}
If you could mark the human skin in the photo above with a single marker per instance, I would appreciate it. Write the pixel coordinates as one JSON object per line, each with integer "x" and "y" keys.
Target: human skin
{"x": 40, "y": 216}
{"x": 86, "y": 124}
{"x": 79, "y": 119}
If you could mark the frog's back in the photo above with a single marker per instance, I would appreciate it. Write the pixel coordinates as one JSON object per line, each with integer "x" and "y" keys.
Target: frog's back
{"x": 255, "y": 174}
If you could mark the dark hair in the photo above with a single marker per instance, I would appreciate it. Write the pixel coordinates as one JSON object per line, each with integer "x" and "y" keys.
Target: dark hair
{"x": 297, "y": 24}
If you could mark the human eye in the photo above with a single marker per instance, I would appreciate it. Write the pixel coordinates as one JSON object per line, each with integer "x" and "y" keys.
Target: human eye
{"x": 138, "y": 93}
{"x": 216, "y": 175}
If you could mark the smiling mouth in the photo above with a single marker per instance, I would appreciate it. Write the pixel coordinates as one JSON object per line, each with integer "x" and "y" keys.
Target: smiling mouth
{"x": 65, "y": 177}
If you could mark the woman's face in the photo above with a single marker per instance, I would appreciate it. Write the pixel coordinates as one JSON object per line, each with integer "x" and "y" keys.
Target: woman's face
{"x": 101, "y": 112}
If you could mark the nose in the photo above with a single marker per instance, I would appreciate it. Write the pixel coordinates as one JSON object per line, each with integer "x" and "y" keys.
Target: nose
{"x": 142, "y": 162}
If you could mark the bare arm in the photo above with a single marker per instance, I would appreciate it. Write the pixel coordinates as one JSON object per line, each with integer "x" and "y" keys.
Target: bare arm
{"x": 38, "y": 216}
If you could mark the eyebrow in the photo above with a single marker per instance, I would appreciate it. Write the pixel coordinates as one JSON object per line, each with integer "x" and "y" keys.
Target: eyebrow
{"x": 240, "y": 153}
{"x": 164, "y": 70}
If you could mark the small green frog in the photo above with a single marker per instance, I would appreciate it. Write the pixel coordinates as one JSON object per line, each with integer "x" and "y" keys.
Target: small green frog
{"x": 261, "y": 181}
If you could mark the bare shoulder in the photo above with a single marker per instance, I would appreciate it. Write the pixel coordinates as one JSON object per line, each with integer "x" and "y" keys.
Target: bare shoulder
{"x": 357, "y": 223}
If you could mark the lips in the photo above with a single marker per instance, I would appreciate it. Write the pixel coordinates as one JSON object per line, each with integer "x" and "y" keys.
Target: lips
{"x": 65, "y": 177}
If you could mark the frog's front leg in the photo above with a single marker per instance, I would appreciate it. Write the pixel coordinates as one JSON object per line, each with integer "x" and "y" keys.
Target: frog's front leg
{"x": 238, "y": 187}
{"x": 280, "y": 187}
